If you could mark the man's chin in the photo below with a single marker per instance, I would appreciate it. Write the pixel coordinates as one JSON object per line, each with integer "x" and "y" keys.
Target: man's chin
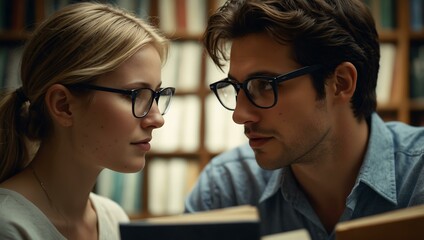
{"x": 265, "y": 162}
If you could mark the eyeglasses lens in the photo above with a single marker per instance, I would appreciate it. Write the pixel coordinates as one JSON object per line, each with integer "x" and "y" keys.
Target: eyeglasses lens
{"x": 227, "y": 94}
{"x": 261, "y": 92}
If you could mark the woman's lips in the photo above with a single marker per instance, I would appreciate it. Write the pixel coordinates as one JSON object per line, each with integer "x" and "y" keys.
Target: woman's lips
{"x": 144, "y": 145}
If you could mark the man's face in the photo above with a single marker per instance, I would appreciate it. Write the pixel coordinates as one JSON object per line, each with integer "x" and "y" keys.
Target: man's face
{"x": 294, "y": 129}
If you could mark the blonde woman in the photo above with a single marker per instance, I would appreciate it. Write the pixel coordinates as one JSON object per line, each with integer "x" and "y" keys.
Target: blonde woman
{"x": 91, "y": 96}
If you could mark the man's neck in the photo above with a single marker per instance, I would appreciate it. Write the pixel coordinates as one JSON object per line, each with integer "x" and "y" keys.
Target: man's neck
{"x": 328, "y": 180}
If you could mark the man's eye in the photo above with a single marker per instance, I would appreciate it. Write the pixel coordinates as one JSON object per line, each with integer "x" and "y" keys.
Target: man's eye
{"x": 258, "y": 85}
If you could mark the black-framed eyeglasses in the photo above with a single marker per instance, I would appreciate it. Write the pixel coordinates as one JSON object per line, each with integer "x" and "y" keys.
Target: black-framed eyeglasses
{"x": 262, "y": 91}
{"x": 142, "y": 98}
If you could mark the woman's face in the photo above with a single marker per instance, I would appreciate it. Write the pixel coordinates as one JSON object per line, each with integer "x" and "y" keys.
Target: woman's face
{"x": 106, "y": 131}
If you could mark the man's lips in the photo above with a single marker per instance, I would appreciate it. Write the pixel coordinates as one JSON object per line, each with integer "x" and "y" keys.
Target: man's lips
{"x": 257, "y": 141}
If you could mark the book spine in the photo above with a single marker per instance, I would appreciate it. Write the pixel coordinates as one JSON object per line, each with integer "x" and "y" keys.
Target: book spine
{"x": 417, "y": 72}
{"x": 416, "y": 17}
{"x": 387, "y": 14}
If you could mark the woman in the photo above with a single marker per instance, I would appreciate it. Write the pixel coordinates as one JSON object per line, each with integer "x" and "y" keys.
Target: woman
{"x": 90, "y": 98}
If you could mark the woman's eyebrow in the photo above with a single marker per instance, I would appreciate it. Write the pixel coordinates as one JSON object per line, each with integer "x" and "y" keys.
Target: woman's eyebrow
{"x": 137, "y": 85}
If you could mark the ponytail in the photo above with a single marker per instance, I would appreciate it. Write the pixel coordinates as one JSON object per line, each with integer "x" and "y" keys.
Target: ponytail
{"x": 13, "y": 150}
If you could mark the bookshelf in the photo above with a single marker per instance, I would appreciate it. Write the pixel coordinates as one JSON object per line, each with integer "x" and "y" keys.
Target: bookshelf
{"x": 400, "y": 105}
{"x": 215, "y": 130}
{"x": 197, "y": 128}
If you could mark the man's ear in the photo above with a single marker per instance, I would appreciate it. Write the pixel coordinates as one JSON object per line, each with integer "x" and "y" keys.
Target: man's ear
{"x": 345, "y": 77}
{"x": 58, "y": 99}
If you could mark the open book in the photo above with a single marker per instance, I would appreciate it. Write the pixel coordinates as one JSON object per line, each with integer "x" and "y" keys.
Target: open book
{"x": 407, "y": 223}
{"x": 233, "y": 223}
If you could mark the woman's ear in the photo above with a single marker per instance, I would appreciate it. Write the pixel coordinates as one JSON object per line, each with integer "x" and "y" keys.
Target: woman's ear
{"x": 346, "y": 77}
{"x": 58, "y": 99}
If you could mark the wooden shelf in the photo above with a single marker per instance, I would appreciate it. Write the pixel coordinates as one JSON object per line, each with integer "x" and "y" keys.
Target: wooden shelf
{"x": 388, "y": 36}
{"x": 14, "y": 36}
{"x": 417, "y": 105}
{"x": 417, "y": 36}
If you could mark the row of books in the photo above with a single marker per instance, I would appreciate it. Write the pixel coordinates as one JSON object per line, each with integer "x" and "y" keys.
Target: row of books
{"x": 21, "y": 15}
{"x": 384, "y": 12}
{"x": 17, "y": 15}
{"x": 416, "y": 15}
{"x": 187, "y": 16}
{"x": 183, "y": 67}
{"x": 181, "y": 131}
{"x": 175, "y": 16}
{"x": 10, "y": 60}
{"x": 385, "y": 81}
{"x": 168, "y": 182}
{"x": 417, "y": 72}
{"x": 388, "y": 90}
{"x": 385, "y": 15}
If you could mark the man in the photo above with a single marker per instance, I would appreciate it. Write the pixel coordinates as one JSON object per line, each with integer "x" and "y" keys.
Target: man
{"x": 302, "y": 81}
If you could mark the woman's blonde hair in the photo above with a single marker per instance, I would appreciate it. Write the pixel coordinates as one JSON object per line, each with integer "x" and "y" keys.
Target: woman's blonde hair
{"x": 76, "y": 44}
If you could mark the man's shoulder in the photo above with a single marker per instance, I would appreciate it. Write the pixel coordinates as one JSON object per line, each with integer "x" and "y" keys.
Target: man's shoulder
{"x": 401, "y": 136}
{"x": 407, "y": 137}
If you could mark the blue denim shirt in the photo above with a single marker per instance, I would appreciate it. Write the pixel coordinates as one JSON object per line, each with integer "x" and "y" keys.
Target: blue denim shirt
{"x": 391, "y": 177}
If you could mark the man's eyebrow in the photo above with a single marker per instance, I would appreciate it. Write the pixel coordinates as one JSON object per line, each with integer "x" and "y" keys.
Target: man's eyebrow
{"x": 257, "y": 74}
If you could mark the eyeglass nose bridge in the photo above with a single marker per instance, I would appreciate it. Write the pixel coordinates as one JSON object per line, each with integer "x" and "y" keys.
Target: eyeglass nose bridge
{"x": 156, "y": 96}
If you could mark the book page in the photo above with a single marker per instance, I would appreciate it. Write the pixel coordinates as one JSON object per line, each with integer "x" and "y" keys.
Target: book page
{"x": 233, "y": 214}
{"x": 301, "y": 234}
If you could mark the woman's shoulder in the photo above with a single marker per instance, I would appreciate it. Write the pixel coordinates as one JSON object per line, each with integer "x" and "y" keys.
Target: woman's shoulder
{"x": 14, "y": 206}
{"x": 10, "y": 200}
{"x": 21, "y": 219}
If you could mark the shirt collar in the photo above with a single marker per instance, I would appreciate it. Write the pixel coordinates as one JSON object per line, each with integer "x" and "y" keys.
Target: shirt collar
{"x": 273, "y": 185}
{"x": 378, "y": 168}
